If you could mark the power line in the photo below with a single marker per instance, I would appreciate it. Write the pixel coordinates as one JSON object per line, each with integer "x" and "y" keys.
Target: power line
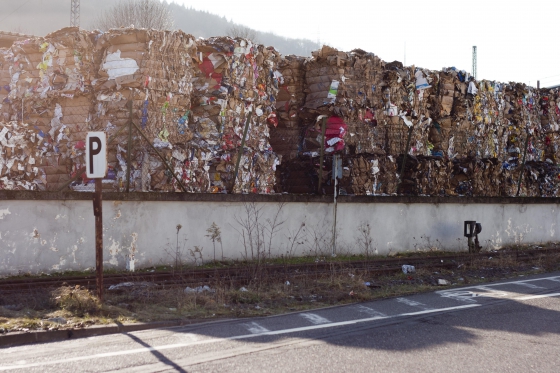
{"x": 15, "y": 10}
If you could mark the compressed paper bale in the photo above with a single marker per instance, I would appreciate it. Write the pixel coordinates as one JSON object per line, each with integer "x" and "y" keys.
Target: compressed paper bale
{"x": 20, "y": 158}
{"x": 482, "y": 125}
{"x": 221, "y": 104}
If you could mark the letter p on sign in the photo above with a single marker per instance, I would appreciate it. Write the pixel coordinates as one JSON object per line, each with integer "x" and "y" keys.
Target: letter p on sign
{"x": 96, "y": 155}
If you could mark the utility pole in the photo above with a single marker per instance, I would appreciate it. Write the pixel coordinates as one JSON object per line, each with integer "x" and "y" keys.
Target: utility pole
{"x": 75, "y": 13}
{"x": 474, "y": 61}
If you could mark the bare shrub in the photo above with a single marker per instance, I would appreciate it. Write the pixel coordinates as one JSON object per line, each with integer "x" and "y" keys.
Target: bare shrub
{"x": 150, "y": 14}
{"x": 240, "y": 31}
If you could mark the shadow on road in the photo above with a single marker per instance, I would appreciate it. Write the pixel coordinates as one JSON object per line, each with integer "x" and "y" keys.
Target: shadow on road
{"x": 161, "y": 357}
{"x": 411, "y": 332}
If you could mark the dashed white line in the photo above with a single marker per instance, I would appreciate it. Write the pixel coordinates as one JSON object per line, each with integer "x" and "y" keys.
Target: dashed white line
{"x": 369, "y": 311}
{"x": 314, "y": 318}
{"x": 529, "y": 285}
{"x": 412, "y": 303}
{"x": 255, "y": 328}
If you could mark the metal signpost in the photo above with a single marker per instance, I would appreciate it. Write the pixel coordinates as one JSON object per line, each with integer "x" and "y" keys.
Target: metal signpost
{"x": 96, "y": 168}
{"x": 336, "y": 175}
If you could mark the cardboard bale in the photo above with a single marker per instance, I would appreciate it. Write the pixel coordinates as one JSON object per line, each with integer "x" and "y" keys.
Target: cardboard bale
{"x": 152, "y": 70}
{"x": 236, "y": 79}
{"x": 50, "y": 93}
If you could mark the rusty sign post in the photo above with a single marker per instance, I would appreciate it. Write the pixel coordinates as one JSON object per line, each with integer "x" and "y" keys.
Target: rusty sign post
{"x": 96, "y": 168}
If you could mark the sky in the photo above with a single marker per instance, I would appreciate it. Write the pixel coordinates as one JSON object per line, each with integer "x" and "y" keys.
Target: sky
{"x": 516, "y": 41}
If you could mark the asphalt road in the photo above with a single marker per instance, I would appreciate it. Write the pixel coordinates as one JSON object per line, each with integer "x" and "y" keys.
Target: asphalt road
{"x": 511, "y": 326}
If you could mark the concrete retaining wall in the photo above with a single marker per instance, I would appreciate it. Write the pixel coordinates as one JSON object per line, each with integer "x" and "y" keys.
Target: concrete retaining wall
{"x": 48, "y": 232}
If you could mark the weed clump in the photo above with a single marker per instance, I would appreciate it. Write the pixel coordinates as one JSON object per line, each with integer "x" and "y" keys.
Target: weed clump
{"x": 77, "y": 300}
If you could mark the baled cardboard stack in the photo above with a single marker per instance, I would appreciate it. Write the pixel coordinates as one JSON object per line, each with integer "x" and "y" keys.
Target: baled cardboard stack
{"x": 49, "y": 94}
{"x": 192, "y": 99}
{"x": 153, "y": 69}
{"x": 285, "y": 139}
{"x": 466, "y": 137}
{"x": 235, "y": 81}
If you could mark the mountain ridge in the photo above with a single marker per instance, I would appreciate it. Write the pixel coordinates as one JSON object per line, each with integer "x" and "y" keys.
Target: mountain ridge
{"x": 40, "y": 17}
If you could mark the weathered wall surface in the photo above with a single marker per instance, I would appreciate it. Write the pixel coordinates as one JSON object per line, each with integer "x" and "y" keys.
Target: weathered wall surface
{"x": 58, "y": 234}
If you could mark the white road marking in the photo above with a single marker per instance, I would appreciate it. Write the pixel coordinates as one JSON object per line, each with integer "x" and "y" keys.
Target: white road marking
{"x": 255, "y": 328}
{"x": 493, "y": 293}
{"x": 460, "y": 295}
{"x": 239, "y": 337}
{"x": 552, "y": 278}
{"x": 538, "y": 296}
{"x": 369, "y": 311}
{"x": 530, "y": 286}
{"x": 412, "y": 303}
{"x": 187, "y": 337}
{"x": 314, "y": 318}
{"x": 464, "y": 295}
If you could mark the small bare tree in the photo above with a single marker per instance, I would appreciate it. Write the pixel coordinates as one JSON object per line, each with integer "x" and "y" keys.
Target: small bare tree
{"x": 150, "y": 14}
{"x": 240, "y": 31}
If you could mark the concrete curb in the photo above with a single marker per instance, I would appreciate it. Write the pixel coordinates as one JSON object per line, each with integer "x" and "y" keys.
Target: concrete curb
{"x": 42, "y": 336}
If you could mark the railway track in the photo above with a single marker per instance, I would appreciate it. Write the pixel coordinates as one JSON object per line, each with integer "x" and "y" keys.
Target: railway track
{"x": 246, "y": 273}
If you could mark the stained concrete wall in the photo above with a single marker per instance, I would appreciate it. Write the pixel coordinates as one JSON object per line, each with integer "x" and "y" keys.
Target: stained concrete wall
{"x": 56, "y": 233}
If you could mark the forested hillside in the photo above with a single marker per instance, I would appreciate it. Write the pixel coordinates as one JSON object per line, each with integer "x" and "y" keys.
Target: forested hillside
{"x": 39, "y": 17}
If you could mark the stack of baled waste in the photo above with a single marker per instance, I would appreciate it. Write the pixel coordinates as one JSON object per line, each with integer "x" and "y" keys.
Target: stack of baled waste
{"x": 46, "y": 99}
{"x": 236, "y": 81}
{"x": 152, "y": 71}
{"x": 285, "y": 139}
{"x": 191, "y": 100}
{"x": 464, "y": 137}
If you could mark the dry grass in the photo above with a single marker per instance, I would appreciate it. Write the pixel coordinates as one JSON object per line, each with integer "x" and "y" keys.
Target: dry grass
{"x": 264, "y": 296}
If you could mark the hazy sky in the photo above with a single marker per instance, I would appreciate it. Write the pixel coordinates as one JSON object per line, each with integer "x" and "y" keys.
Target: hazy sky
{"x": 517, "y": 41}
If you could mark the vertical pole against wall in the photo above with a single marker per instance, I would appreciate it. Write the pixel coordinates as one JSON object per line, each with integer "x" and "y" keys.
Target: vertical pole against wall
{"x": 320, "y": 184}
{"x": 335, "y": 174}
{"x": 98, "y": 213}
